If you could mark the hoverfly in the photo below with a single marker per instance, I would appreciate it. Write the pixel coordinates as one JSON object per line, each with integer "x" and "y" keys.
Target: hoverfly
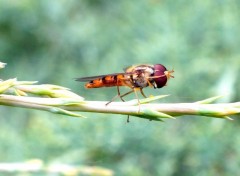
{"x": 135, "y": 77}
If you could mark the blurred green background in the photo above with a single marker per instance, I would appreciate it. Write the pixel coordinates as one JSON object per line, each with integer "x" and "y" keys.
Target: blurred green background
{"x": 56, "y": 41}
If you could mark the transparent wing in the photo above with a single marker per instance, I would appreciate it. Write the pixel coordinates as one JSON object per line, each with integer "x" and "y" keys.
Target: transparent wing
{"x": 90, "y": 78}
{"x": 130, "y": 69}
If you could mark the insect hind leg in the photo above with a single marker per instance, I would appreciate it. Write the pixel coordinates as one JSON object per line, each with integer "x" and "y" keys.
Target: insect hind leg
{"x": 118, "y": 90}
{"x": 120, "y": 96}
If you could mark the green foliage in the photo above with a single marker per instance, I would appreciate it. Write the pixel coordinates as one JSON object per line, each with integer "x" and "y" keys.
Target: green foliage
{"x": 56, "y": 41}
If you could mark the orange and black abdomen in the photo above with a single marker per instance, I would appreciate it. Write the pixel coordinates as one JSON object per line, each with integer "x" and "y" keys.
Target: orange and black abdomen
{"x": 107, "y": 81}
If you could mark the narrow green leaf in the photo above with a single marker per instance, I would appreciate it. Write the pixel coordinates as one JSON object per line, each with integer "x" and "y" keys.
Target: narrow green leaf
{"x": 4, "y": 85}
{"x": 25, "y": 82}
{"x": 155, "y": 114}
{"x": 149, "y": 118}
{"x": 65, "y": 112}
{"x": 19, "y": 92}
{"x": 146, "y": 100}
{"x": 209, "y": 100}
{"x": 152, "y": 98}
{"x": 228, "y": 118}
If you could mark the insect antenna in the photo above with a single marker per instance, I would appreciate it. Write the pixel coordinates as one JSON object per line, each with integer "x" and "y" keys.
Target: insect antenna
{"x": 169, "y": 73}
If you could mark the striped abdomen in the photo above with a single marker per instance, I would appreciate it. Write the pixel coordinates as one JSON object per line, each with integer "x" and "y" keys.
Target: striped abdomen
{"x": 107, "y": 81}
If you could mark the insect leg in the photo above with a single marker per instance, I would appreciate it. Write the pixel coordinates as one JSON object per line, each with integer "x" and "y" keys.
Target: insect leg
{"x": 119, "y": 96}
{"x": 128, "y": 119}
{"x": 143, "y": 93}
{"x": 149, "y": 83}
{"x": 131, "y": 91}
{"x": 118, "y": 90}
{"x": 135, "y": 91}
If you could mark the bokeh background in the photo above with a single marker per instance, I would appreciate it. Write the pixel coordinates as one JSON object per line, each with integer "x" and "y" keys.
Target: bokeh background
{"x": 56, "y": 41}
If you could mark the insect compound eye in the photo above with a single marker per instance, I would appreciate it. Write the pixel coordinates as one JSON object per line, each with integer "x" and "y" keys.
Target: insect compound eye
{"x": 160, "y": 77}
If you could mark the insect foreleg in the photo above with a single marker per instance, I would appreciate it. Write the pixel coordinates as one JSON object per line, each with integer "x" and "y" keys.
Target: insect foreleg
{"x": 143, "y": 93}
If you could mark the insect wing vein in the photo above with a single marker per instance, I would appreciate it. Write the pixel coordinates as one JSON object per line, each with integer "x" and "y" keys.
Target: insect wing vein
{"x": 90, "y": 78}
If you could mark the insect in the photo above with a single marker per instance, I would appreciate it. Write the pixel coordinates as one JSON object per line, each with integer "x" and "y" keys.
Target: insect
{"x": 135, "y": 77}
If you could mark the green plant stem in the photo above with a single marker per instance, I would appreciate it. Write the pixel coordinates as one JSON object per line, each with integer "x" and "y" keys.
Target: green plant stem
{"x": 152, "y": 111}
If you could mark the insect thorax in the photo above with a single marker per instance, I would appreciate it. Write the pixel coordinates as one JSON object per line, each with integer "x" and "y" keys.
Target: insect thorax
{"x": 140, "y": 76}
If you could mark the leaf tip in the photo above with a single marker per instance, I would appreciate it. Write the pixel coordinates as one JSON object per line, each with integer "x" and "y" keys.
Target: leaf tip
{"x": 228, "y": 118}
